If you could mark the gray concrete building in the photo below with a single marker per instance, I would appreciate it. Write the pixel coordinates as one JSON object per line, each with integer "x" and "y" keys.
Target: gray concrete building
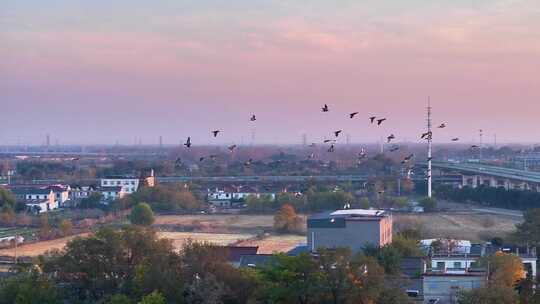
{"x": 354, "y": 228}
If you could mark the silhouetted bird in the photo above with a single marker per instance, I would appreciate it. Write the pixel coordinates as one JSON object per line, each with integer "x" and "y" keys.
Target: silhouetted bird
{"x": 429, "y": 159}
{"x": 248, "y": 162}
{"x": 442, "y": 126}
{"x": 336, "y": 133}
{"x": 312, "y": 145}
{"x": 253, "y": 118}
{"x": 178, "y": 162}
{"x": 201, "y": 158}
{"x": 426, "y": 135}
{"x": 216, "y": 132}
{"x": 409, "y": 157}
{"x": 325, "y": 108}
{"x": 372, "y": 119}
{"x": 455, "y": 139}
{"x": 332, "y": 148}
{"x": 394, "y": 149}
{"x": 362, "y": 154}
{"x": 353, "y": 114}
{"x": 390, "y": 138}
{"x": 231, "y": 148}
{"x": 474, "y": 147}
{"x": 311, "y": 156}
{"x": 213, "y": 157}
{"x": 380, "y": 121}
{"x": 188, "y": 142}
{"x": 329, "y": 140}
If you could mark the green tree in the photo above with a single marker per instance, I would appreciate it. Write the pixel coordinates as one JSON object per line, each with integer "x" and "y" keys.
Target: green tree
{"x": 292, "y": 279}
{"x": 92, "y": 201}
{"x": 429, "y": 204}
{"x": 66, "y": 227}
{"x": 364, "y": 203}
{"x": 153, "y": 298}
{"x": 142, "y": 214}
{"x": 28, "y": 288}
{"x": 529, "y": 230}
{"x": 120, "y": 299}
{"x": 6, "y": 198}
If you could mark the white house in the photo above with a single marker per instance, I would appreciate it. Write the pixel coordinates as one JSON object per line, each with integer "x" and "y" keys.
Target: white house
{"x": 225, "y": 197}
{"x": 37, "y": 199}
{"x": 129, "y": 184}
{"x": 112, "y": 193}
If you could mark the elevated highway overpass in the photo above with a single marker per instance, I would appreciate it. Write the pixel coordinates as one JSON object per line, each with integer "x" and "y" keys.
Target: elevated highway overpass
{"x": 476, "y": 174}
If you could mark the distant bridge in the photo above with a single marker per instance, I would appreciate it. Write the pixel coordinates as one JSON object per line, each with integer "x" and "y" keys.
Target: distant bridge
{"x": 476, "y": 174}
{"x": 286, "y": 179}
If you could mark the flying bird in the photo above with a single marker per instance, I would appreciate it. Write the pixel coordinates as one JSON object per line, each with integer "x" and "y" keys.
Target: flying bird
{"x": 389, "y": 138}
{"x": 426, "y": 135}
{"x": 332, "y": 148}
{"x": 248, "y": 162}
{"x": 380, "y": 121}
{"x": 178, "y": 162}
{"x": 188, "y": 142}
{"x": 442, "y": 126}
{"x": 372, "y": 119}
{"x": 409, "y": 157}
{"x": 253, "y": 118}
{"x": 216, "y": 132}
{"x": 429, "y": 159}
{"x": 213, "y": 157}
{"x": 325, "y": 108}
{"x": 362, "y": 153}
{"x": 455, "y": 139}
{"x": 353, "y": 114}
{"x": 336, "y": 133}
{"x": 474, "y": 147}
{"x": 231, "y": 148}
{"x": 201, "y": 158}
{"x": 311, "y": 156}
{"x": 394, "y": 149}
{"x": 329, "y": 140}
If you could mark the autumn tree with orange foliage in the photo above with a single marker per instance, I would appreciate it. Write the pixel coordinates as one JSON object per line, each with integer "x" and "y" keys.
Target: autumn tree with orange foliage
{"x": 286, "y": 220}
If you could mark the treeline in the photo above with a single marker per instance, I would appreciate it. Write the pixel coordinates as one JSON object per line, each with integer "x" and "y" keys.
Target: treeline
{"x": 492, "y": 197}
{"x": 311, "y": 201}
{"x": 132, "y": 264}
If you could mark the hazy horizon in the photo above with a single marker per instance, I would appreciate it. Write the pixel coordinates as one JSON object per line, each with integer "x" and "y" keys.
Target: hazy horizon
{"x": 106, "y": 71}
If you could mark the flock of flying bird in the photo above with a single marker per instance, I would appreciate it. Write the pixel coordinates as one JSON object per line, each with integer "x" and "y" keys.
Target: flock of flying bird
{"x": 378, "y": 121}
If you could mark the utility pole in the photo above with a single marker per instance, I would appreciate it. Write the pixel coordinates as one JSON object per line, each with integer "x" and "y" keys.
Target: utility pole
{"x": 430, "y": 139}
{"x": 481, "y": 134}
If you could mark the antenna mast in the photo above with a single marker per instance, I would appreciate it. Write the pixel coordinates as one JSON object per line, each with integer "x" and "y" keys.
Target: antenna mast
{"x": 429, "y": 147}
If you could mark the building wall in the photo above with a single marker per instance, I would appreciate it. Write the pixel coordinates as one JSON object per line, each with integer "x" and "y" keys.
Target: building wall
{"x": 445, "y": 288}
{"x": 356, "y": 235}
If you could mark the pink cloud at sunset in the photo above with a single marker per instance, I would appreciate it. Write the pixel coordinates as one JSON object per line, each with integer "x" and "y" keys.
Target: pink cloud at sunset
{"x": 186, "y": 73}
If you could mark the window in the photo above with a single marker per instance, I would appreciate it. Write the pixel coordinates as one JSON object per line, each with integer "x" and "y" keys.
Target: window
{"x": 457, "y": 264}
{"x": 440, "y": 265}
{"x": 105, "y": 182}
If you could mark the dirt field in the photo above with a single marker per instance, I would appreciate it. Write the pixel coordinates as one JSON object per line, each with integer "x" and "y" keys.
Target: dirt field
{"x": 275, "y": 244}
{"x": 179, "y": 238}
{"x": 246, "y": 230}
{"x": 39, "y": 248}
{"x": 217, "y": 223}
{"x": 474, "y": 227}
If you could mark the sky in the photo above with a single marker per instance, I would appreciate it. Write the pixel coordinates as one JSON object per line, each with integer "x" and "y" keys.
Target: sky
{"x": 107, "y": 71}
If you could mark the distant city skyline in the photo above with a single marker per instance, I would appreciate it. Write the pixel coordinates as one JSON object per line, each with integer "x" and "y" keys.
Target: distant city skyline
{"x": 89, "y": 72}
